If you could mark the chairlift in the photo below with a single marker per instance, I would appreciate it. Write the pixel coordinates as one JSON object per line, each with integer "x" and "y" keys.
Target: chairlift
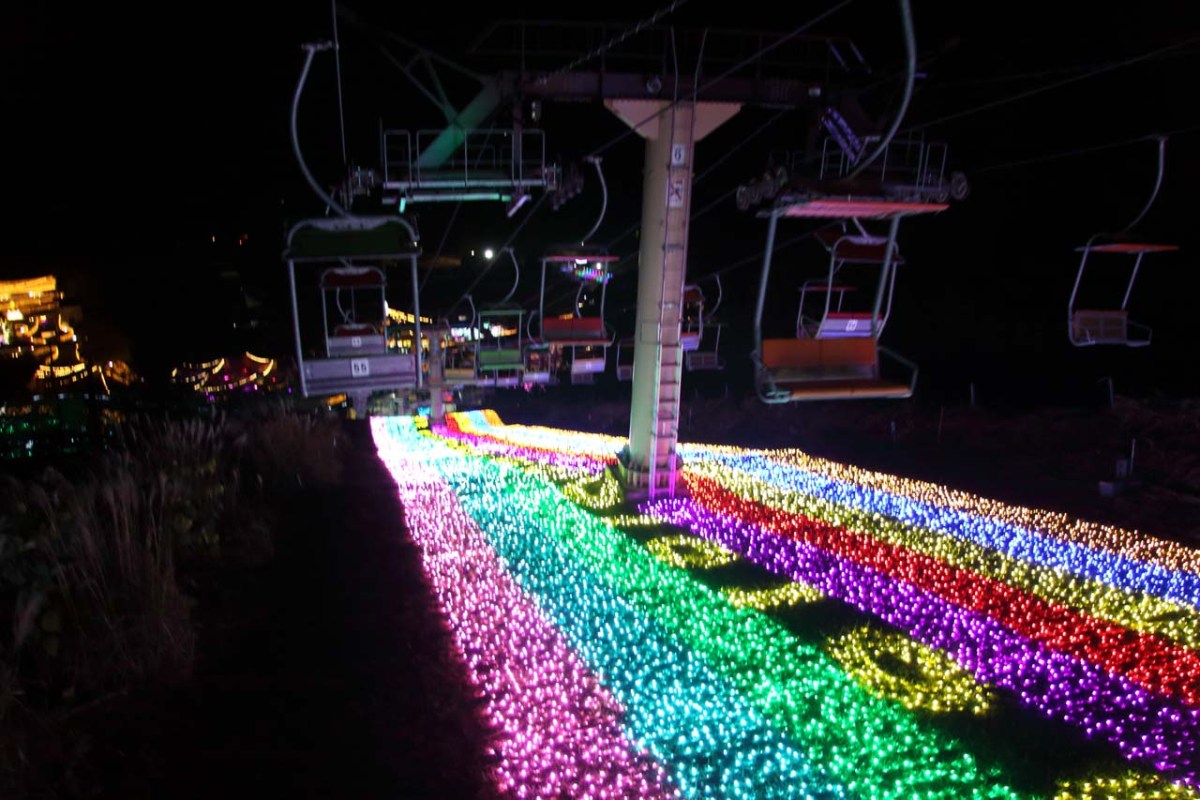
{"x": 587, "y": 361}
{"x": 813, "y": 291}
{"x": 691, "y": 320}
{"x": 898, "y": 179}
{"x": 1112, "y": 326}
{"x": 356, "y": 354}
{"x": 539, "y": 365}
{"x": 459, "y": 347}
{"x": 705, "y": 355}
{"x": 500, "y": 346}
{"x": 583, "y": 337}
{"x": 501, "y": 350}
{"x": 829, "y": 366}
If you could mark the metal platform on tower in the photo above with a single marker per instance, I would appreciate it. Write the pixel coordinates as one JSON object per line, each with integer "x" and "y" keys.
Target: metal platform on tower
{"x": 491, "y": 164}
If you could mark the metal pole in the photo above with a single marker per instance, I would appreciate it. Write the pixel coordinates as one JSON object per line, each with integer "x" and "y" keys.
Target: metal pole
{"x": 888, "y": 266}
{"x": 325, "y": 320}
{"x": 762, "y": 287}
{"x": 542, "y": 305}
{"x": 416, "y": 314}
{"x": 829, "y": 284}
{"x": 296, "y": 326}
{"x": 1075, "y": 291}
{"x": 437, "y": 379}
{"x": 1133, "y": 277}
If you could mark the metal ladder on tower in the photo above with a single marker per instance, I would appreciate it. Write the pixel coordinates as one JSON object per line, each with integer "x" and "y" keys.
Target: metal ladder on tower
{"x": 670, "y": 364}
{"x": 670, "y": 349}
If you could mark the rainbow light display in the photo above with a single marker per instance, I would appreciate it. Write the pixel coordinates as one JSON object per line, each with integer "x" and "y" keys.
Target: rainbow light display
{"x": 653, "y": 651}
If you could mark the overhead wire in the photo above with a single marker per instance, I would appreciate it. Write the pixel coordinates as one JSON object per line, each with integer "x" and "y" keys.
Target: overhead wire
{"x": 910, "y": 67}
{"x": 632, "y": 30}
{"x": 710, "y": 169}
{"x": 507, "y": 245}
{"x": 1025, "y": 76}
{"x": 441, "y": 246}
{"x": 337, "y": 65}
{"x": 1080, "y": 151}
{"x": 987, "y": 106}
{"x": 1110, "y": 67}
{"x": 762, "y": 51}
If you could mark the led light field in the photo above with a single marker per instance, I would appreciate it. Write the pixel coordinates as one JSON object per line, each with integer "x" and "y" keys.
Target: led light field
{"x": 790, "y": 627}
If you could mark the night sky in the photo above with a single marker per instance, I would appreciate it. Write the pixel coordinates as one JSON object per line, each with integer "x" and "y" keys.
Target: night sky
{"x": 135, "y": 133}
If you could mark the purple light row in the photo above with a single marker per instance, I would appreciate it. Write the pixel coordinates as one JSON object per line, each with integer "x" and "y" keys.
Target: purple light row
{"x": 1144, "y": 727}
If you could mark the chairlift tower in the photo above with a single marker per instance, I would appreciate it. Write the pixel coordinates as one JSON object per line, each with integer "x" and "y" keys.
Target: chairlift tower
{"x": 671, "y": 107}
{"x": 672, "y": 111}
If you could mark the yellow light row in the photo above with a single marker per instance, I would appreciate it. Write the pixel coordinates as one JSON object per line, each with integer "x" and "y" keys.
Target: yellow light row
{"x": 1140, "y": 611}
{"x": 594, "y": 493}
{"x": 690, "y": 552}
{"x": 1134, "y": 786}
{"x": 918, "y": 677}
{"x": 1116, "y": 540}
{"x": 785, "y": 596}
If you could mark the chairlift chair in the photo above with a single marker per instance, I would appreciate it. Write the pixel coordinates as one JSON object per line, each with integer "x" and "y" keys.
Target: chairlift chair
{"x": 898, "y": 179}
{"x": 707, "y": 355}
{"x": 808, "y": 326}
{"x": 832, "y": 367}
{"x": 704, "y": 355}
{"x": 691, "y": 321}
{"x": 357, "y": 296}
{"x": 458, "y": 362}
{"x": 583, "y": 337}
{"x": 356, "y": 358}
{"x": 539, "y": 366}
{"x": 500, "y": 353}
{"x": 1091, "y": 326}
{"x": 459, "y": 346}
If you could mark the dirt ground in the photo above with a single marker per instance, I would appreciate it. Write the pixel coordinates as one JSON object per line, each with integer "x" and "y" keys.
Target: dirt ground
{"x": 326, "y": 674}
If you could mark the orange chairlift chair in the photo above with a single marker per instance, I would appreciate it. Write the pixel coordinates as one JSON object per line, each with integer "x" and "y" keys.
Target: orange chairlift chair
{"x": 584, "y": 337}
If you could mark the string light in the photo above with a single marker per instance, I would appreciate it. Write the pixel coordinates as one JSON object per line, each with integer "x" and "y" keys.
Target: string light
{"x": 1152, "y": 662}
{"x": 857, "y": 738}
{"x": 966, "y": 546}
{"x": 558, "y": 731}
{"x": 689, "y": 552}
{"x": 1133, "y": 786}
{"x": 1144, "y": 727}
{"x": 1085, "y": 624}
{"x": 920, "y": 678}
{"x": 783, "y": 596}
{"x": 712, "y": 742}
{"x": 1130, "y": 544}
{"x": 1089, "y": 558}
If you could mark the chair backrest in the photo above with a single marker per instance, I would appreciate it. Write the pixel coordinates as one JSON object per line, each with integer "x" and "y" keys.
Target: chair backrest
{"x": 493, "y": 359}
{"x": 554, "y": 328}
{"x": 1100, "y": 326}
{"x": 822, "y": 359}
